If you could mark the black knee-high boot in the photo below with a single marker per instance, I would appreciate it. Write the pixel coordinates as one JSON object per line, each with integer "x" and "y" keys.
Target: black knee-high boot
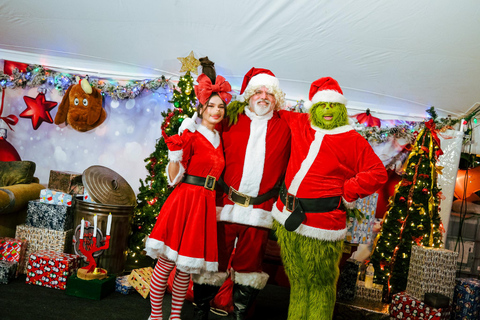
{"x": 243, "y": 297}
{"x": 202, "y": 295}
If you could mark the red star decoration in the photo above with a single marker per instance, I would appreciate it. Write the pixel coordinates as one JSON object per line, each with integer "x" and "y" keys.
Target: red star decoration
{"x": 38, "y": 110}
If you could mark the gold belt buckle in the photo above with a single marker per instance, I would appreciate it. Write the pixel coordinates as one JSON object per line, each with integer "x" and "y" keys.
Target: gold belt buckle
{"x": 247, "y": 198}
{"x": 288, "y": 202}
{"x": 208, "y": 180}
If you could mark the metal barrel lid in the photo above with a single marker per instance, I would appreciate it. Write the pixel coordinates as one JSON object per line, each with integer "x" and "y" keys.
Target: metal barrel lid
{"x": 107, "y": 187}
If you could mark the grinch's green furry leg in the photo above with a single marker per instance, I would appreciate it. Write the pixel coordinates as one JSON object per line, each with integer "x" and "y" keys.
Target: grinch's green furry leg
{"x": 293, "y": 262}
{"x": 322, "y": 262}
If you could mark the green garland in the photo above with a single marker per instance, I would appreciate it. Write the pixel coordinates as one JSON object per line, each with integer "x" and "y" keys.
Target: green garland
{"x": 37, "y": 75}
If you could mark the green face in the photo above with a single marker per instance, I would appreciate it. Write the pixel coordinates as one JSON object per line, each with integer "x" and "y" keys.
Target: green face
{"x": 328, "y": 115}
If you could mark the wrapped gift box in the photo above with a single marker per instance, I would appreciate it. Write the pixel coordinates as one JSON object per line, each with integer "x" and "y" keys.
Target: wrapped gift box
{"x": 55, "y": 197}
{"x": 13, "y": 250}
{"x": 66, "y": 181}
{"x": 140, "y": 280}
{"x": 7, "y": 271}
{"x": 51, "y": 269}
{"x": 405, "y": 306}
{"x": 431, "y": 270}
{"x": 43, "y": 239}
{"x": 122, "y": 285}
{"x": 50, "y": 216}
{"x": 347, "y": 280}
{"x": 466, "y": 299}
{"x": 374, "y": 293}
{"x": 362, "y": 232}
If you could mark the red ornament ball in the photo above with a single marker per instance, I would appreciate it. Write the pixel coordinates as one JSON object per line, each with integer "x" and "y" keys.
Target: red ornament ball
{"x": 425, "y": 191}
{"x": 139, "y": 227}
{"x": 402, "y": 199}
{"x": 7, "y": 151}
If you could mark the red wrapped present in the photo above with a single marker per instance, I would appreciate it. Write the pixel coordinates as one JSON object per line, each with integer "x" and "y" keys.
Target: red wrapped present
{"x": 51, "y": 269}
{"x": 405, "y": 306}
{"x": 13, "y": 250}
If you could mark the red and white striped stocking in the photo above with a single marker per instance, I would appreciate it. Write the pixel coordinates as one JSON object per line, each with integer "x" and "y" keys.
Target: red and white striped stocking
{"x": 179, "y": 290}
{"x": 158, "y": 285}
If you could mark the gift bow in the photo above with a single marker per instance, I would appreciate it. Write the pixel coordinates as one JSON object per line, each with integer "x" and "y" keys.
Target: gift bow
{"x": 431, "y": 126}
{"x": 11, "y": 119}
{"x": 205, "y": 88}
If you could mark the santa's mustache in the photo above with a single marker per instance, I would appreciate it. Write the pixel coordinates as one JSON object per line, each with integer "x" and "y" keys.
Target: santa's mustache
{"x": 267, "y": 102}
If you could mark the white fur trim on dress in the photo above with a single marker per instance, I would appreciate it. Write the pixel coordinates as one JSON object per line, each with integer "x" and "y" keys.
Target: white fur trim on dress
{"x": 212, "y": 136}
{"x": 175, "y": 156}
{"x": 156, "y": 248}
{"x": 329, "y": 96}
{"x": 257, "y": 280}
{"x": 177, "y": 178}
{"x": 349, "y": 205}
{"x": 308, "y": 231}
{"x": 249, "y": 216}
{"x": 210, "y": 278}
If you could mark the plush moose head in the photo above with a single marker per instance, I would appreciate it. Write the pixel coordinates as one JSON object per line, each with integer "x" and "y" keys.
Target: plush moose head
{"x": 81, "y": 107}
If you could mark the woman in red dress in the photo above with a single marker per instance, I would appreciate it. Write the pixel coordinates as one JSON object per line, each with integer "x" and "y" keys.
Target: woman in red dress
{"x": 185, "y": 234}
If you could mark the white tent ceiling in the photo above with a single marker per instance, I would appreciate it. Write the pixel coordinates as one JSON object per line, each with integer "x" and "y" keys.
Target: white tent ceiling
{"x": 395, "y": 57}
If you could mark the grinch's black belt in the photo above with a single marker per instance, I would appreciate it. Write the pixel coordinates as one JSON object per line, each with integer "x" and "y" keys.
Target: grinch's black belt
{"x": 245, "y": 200}
{"x": 208, "y": 182}
{"x": 299, "y": 206}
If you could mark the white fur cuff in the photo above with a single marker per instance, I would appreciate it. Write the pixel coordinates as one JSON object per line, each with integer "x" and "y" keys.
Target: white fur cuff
{"x": 175, "y": 156}
{"x": 257, "y": 280}
{"x": 211, "y": 278}
{"x": 349, "y": 205}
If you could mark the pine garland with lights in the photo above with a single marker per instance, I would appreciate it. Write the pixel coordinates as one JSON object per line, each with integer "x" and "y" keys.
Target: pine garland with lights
{"x": 413, "y": 216}
{"x": 37, "y": 75}
{"x": 154, "y": 190}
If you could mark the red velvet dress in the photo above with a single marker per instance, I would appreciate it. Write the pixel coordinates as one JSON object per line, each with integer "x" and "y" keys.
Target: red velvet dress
{"x": 186, "y": 228}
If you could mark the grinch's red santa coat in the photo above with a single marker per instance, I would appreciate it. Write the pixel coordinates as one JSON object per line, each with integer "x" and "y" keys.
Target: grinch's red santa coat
{"x": 349, "y": 169}
{"x": 326, "y": 166}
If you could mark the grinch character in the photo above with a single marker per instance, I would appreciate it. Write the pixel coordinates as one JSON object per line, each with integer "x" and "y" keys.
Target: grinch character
{"x": 329, "y": 161}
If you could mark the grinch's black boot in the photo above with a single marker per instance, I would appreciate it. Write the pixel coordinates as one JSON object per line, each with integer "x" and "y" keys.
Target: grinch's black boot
{"x": 243, "y": 297}
{"x": 202, "y": 295}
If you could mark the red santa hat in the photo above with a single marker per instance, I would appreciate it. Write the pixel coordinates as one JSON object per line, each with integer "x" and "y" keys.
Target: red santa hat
{"x": 325, "y": 89}
{"x": 259, "y": 77}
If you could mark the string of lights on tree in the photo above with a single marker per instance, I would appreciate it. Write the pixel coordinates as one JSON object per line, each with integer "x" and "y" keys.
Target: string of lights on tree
{"x": 413, "y": 216}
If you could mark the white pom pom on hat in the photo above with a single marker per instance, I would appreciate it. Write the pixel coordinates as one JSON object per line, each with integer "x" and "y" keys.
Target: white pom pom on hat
{"x": 325, "y": 89}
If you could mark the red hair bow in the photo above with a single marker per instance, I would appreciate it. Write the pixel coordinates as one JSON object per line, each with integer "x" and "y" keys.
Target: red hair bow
{"x": 205, "y": 88}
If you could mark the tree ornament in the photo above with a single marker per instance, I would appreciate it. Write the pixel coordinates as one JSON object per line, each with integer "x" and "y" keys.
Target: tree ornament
{"x": 402, "y": 199}
{"x": 425, "y": 191}
{"x": 7, "y": 151}
{"x": 420, "y": 227}
{"x": 189, "y": 63}
{"x": 188, "y": 90}
{"x": 38, "y": 109}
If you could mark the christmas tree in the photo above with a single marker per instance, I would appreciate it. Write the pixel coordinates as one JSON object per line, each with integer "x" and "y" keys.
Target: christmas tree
{"x": 154, "y": 189}
{"x": 413, "y": 216}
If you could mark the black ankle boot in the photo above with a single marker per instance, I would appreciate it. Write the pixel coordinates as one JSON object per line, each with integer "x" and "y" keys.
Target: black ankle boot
{"x": 243, "y": 297}
{"x": 202, "y": 295}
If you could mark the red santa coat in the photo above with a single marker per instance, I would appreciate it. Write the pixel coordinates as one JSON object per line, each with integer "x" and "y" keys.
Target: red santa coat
{"x": 256, "y": 155}
{"x": 328, "y": 163}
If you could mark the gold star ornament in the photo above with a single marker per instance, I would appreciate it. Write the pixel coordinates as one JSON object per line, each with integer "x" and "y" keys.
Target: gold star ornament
{"x": 189, "y": 63}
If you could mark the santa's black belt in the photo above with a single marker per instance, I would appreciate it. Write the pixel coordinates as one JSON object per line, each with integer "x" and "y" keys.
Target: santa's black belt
{"x": 208, "y": 182}
{"x": 245, "y": 200}
{"x": 299, "y": 206}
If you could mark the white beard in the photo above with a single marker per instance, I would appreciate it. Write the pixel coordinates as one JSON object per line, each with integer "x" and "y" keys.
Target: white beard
{"x": 261, "y": 110}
